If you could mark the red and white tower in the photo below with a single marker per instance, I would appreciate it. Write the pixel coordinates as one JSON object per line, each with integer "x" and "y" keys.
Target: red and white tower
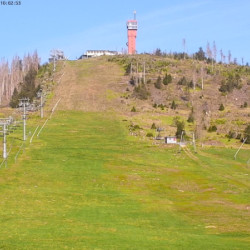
{"x": 132, "y": 32}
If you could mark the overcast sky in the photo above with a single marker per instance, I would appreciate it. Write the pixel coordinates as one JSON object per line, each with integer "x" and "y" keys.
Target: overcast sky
{"x": 75, "y": 26}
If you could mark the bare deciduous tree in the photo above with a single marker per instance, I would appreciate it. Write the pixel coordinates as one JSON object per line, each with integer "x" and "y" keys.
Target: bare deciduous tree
{"x": 221, "y": 56}
{"x": 209, "y": 51}
{"x": 214, "y": 55}
{"x": 202, "y": 77}
{"x": 12, "y": 75}
{"x": 229, "y": 57}
{"x": 184, "y": 47}
{"x": 214, "y": 51}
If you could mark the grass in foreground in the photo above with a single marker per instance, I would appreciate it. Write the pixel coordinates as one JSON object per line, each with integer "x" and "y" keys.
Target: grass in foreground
{"x": 85, "y": 184}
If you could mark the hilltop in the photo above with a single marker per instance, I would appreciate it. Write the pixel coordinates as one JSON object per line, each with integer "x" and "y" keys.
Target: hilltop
{"x": 195, "y": 87}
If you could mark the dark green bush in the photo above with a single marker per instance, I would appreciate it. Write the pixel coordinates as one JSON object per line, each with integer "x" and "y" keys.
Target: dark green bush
{"x": 247, "y": 134}
{"x": 173, "y": 105}
{"x": 231, "y": 134}
{"x": 212, "y": 128}
{"x": 158, "y": 83}
{"x": 190, "y": 118}
{"x": 167, "y": 79}
{"x": 134, "y": 127}
{"x": 221, "y": 108}
{"x": 180, "y": 127}
{"x": 182, "y": 81}
{"x": 149, "y": 134}
{"x": 232, "y": 81}
{"x": 153, "y": 126}
{"x": 133, "y": 109}
{"x": 141, "y": 92}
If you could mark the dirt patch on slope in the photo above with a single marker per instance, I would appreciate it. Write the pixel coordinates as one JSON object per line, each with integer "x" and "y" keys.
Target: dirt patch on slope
{"x": 84, "y": 85}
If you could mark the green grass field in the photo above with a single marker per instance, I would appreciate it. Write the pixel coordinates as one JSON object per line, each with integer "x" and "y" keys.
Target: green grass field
{"x": 86, "y": 184}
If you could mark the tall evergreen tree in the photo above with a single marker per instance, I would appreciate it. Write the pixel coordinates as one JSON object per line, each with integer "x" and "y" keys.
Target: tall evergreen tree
{"x": 247, "y": 134}
{"x": 15, "y": 99}
{"x": 200, "y": 55}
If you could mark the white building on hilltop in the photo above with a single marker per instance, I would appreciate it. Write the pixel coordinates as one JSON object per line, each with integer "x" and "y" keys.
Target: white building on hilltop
{"x": 96, "y": 53}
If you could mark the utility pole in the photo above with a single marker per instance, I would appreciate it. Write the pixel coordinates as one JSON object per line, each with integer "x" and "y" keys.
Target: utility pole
{"x": 248, "y": 162}
{"x": 194, "y": 81}
{"x": 137, "y": 78}
{"x": 40, "y": 94}
{"x": 54, "y": 61}
{"x": 24, "y": 102}
{"x": 181, "y": 141}
{"x": 194, "y": 143}
{"x": 182, "y": 135}
{"x": 4, "y": 141}
{"x": 144, "y": 77}
{"x": 41, "y": 103}
{"x": 4, "y": 123}
{"x": 202, "y": 77}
